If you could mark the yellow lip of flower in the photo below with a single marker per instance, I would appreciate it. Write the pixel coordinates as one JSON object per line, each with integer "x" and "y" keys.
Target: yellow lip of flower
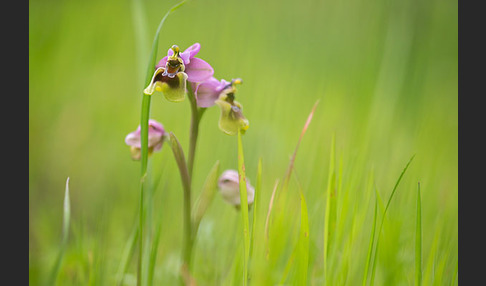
{"x": 231, "y": 119}
{"x": 173, "y": 88}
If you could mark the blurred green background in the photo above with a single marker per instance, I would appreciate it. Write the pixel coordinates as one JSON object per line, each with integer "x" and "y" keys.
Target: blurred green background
{"x": 385, "y": 74}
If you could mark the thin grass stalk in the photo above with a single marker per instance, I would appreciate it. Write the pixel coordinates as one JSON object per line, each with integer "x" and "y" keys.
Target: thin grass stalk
{"x": 194, "y": 130}
{"x": 153, "y": 255}
{"x": 329, "y": 209}
{"x": 256, "y": 199}
{"x": 373, "y": 267}
{"x": 126, "y": 254}
{"x": 418, "y": 241}
{"x": 244, "y": 208}
{"x": 65, "y": 233}
{"x": 186, "y": 185}
{"x": 372, "y": 239}
{"x": 145, "y": 114}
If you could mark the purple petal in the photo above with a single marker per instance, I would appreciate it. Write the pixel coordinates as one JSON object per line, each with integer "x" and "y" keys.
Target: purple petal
{"x": 207, "y": 92}
{"x": 157, "y": 127}
{"x": 198, "y": 70}
{"x": 133, "y": 139}
{"x": 186, "y": 57}
{"x": 193, "y": 50}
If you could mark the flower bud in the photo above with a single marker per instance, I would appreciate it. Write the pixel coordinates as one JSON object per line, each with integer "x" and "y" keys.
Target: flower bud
{"x": 229, "y": 188}
{"x": 156, "y": 137}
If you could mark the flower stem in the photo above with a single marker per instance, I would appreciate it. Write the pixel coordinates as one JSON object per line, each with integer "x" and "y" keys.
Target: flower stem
{"x": 144, "y": 149}
{"x": 194, "y": 131}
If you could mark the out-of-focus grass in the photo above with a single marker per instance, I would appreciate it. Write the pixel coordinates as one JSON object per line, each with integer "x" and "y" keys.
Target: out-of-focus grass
{"x": 385, "y": 74}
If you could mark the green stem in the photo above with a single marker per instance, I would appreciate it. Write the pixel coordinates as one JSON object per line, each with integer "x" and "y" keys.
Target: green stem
{"x": 186, "y": 185}
{"x": 144, "y": 150}
{"x": 194, "y": 131}
{"x": 196, "y": 115}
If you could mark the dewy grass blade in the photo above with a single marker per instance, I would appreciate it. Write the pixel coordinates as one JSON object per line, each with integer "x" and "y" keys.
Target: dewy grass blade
{"x": 418, "y": 241}
{"x": 244, "y": 208}
{"x": 373, "y": 266}
{"x": 65, "y": 233}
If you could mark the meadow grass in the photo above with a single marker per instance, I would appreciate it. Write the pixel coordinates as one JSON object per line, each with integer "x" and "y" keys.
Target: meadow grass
{"x": 385, "y": 76}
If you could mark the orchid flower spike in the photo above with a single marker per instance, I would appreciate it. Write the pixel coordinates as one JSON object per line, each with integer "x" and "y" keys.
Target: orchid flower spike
{"x": 231, "y": 119}
{"x": 156, "y": 138}
{"x": 173, "y": 70}
{"x": 229, "y": 188}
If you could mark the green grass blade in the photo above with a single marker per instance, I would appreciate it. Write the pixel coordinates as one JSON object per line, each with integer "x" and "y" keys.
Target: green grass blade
{"x": 418, "y": 241}
{"x": 145, "y": 114}
{"x": 186, "y": 184}
{"x": 454, "y": 277}
{"x": 67, "y": 214}
{"x": 256, "y": 199}
{"x": 126, "y": 255}
{"x": 373, "y": 268}
{"x": 303, "y": 244}
{"x": 372, "y": 239}
{"x": 292, "y": 159}
{"x": 65, "y": 234}
{"x": 153, "y": 255}
{"x": 329, "y": 218}
{"x": 207, "y": 195}
{"x": 244, "y": 208}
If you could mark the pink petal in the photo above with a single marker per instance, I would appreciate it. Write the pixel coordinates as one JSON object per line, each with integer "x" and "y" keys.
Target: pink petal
{"x": 207, "y": 92}
{"x": 133, "y": 139}
{"x": 198, "y": 70}
{"x": 193, "y": 50}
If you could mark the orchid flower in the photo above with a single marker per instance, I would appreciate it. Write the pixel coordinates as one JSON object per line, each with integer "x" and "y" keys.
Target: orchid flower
{"x": 231, "y": 119}
{"x": 229, "y": 188}
{"x": 173, "y": 70}
{"x": 208, "y": 92}
{"x": 156, "y": 137}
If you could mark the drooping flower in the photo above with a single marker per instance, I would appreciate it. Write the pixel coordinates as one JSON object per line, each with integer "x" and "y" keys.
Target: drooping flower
{"x": 231, "y": 119}
{"x": 173, "y": 70}
{"x": 229, "y": 188}
{"x": 156, "y": 137}
{"x": 208, "y": 92}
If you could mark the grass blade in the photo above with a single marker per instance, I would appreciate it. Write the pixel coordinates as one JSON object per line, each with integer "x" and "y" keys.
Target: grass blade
{"x": 329, "y": 218}
{"x": 258, "y": 188}
{"x": 418, "y": 241}
{"x": 65, "y": 233}
{"x": 186, "y": 184}
{"x": 372, "y": 239}
{"x": 145, "y": 114}
{"x": 303, "y": 243}
{"x": 153, "y": 255}
{"x": 126, "y": 255}
{"x": 206, "y": 196}
{"x": 270, "y": 207}
{"x": 244, "y": 208}
{"x": 292, "y": 159}
{"x": 373, "y": 268}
